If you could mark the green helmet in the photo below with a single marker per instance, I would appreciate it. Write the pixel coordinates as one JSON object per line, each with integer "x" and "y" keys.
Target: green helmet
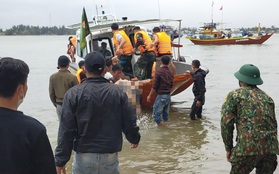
{"x": 249, "y": 74}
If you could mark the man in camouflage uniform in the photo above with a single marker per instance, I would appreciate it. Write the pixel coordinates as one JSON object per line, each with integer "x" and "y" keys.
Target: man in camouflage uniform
{"x": 252, "y": 111}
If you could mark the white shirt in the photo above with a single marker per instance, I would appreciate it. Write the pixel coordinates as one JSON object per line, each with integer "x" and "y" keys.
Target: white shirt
{"x": 108, "y": 75}
{"x": 118, "y": 37}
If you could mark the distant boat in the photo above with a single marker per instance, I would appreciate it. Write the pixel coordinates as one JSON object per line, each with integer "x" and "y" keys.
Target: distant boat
{"x": 173, "y": 33}
{"x": 209, "y": 35}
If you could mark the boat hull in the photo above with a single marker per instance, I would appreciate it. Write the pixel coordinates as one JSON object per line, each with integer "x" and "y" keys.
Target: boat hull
{"x": 180, "y": 83}
{"x": 232, "y": 41}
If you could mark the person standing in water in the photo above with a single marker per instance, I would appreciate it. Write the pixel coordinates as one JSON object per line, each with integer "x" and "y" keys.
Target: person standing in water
{"x": 60, "y": 82}
{"x": 251, "y": 110}
{"x": 162, "y": 88}
{"x": 198, "y": 89}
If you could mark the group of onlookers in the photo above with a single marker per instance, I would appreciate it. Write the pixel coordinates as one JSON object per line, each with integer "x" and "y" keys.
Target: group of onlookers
{"x": 96, "y": 112}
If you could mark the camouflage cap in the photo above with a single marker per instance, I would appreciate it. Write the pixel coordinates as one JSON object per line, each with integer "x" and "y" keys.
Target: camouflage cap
{"x": 249, "y": 74}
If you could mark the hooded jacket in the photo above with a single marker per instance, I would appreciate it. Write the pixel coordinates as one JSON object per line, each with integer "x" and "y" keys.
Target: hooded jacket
{"x": 199, "y": 84}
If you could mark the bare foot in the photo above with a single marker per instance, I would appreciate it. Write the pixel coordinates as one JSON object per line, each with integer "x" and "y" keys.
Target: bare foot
{"x": 134, "y": 79}
{"x": 162, "y": 124}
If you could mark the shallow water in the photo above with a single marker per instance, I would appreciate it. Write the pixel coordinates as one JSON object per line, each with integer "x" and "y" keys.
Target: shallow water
{"x": 184, "y": 146}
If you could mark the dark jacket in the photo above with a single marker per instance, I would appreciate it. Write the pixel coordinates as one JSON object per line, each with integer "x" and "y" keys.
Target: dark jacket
{"x": 94, "y": 115}
{"x": 199, "y": 84}
{"x": 163, "y": 80}
{"x": 25, "y": 148}
{"x": 59, "y": 83}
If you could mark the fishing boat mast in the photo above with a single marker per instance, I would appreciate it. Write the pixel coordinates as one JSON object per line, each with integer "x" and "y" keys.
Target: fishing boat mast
{"x": 179, "y": 32}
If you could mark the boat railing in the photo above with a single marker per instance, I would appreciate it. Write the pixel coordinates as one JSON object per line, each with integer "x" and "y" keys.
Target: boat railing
{"x": 104, "y": 19}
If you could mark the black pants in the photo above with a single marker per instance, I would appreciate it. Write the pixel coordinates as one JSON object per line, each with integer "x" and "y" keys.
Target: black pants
{"x": 195, "y": 110}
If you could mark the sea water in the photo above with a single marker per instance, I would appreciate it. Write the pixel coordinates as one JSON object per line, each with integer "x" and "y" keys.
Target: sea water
{"x": 185, "y": 146}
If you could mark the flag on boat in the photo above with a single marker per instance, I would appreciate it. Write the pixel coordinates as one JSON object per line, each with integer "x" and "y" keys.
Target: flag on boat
{"x": 221, "y": 8}
{"x": 84, "y": 30}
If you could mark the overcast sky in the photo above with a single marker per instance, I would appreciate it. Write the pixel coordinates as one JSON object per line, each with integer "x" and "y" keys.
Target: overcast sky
{"x": 235, "y": 13}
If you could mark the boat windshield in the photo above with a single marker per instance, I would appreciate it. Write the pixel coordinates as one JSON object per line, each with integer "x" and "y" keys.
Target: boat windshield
{"x": 104, "y": 46}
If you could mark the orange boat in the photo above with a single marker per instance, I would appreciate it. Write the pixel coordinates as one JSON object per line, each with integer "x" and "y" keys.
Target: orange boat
{"x": 101, "y": 32}
{"x": 180, "y": 83}
{"x": 232, "y": 41}
{"x": 211, "y": 36}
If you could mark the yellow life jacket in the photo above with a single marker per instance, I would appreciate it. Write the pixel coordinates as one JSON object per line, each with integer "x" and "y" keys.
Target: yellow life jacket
{"x": 127, "y": 47}
{"x": 79, "y": 70}
{"x": 146, "y": 40}
{"x": 164, "y": 44}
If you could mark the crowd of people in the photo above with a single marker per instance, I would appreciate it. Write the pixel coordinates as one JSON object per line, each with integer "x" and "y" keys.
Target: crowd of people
{"x": 91, "y": 129}
{"x": 94, "y": 111}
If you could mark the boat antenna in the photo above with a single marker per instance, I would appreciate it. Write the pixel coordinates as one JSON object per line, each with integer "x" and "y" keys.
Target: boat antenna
{"x": 96, "y": 6}
{"x": 159, "y": 9}
{"x": 97, "y": 10}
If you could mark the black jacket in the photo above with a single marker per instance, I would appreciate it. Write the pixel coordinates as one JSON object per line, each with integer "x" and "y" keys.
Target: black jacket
{"x": 199, "y": 84}
{"x": 94, "y": 115}
{"x": 25, "y": 148}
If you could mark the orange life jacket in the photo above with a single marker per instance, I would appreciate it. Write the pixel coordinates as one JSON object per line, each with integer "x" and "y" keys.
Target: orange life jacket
{"x": 127, "y": 47}
{"x": 146, "y": 40}
{"x": 79, "y": 70}
{"x": 164, "y": 44}
{"x": 74, "y": 41}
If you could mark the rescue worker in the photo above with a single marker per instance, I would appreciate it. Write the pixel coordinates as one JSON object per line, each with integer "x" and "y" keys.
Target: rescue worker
{"x": 72, "y": 48}
{"x": 80, "y": 74}
{"x": 143, "y": 66}
{"x": 123, "y": 48}
{"x": 163, "y": 46}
